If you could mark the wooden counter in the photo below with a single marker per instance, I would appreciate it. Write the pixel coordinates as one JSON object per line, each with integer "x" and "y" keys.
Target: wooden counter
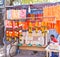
{"x": 34, "y": 48}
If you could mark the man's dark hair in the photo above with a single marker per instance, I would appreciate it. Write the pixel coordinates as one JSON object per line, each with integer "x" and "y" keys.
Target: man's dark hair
{"x": 52, "y": 35}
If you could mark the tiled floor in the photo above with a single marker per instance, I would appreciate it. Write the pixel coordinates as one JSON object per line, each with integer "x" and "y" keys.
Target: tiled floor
{"x": 26, "y": 56}
{"x": 29, "y": 54}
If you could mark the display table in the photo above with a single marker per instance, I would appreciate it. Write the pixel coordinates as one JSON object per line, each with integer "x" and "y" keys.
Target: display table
{"x": 34, "y": 48}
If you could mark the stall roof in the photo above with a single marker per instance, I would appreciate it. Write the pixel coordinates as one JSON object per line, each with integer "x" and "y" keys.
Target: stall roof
{"x": 32, "y": 6}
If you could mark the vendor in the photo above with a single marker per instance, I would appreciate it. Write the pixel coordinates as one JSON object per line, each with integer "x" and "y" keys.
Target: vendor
{"x": 53, "y": 39}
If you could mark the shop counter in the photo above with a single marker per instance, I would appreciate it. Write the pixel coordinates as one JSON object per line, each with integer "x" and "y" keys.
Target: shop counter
{"x": 35, "y": 48}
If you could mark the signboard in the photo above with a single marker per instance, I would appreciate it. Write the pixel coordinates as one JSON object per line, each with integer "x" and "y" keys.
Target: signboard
{"x": 22, "y": 13}
{"x": 36, "y": 11}
{"x": 16, "y": 14}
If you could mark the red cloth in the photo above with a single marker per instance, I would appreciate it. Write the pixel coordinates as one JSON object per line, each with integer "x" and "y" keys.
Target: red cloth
{"x": 54, "y": 40}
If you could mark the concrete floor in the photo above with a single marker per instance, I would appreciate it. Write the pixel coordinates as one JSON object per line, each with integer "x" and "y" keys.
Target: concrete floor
{"x": 30, "y": 54}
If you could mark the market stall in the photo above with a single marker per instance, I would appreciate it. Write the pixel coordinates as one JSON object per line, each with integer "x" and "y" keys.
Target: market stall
{"x": 31, "y": 25}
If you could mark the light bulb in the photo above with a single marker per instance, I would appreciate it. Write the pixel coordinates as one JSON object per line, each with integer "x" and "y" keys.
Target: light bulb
{"x": 29, "y": 10}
